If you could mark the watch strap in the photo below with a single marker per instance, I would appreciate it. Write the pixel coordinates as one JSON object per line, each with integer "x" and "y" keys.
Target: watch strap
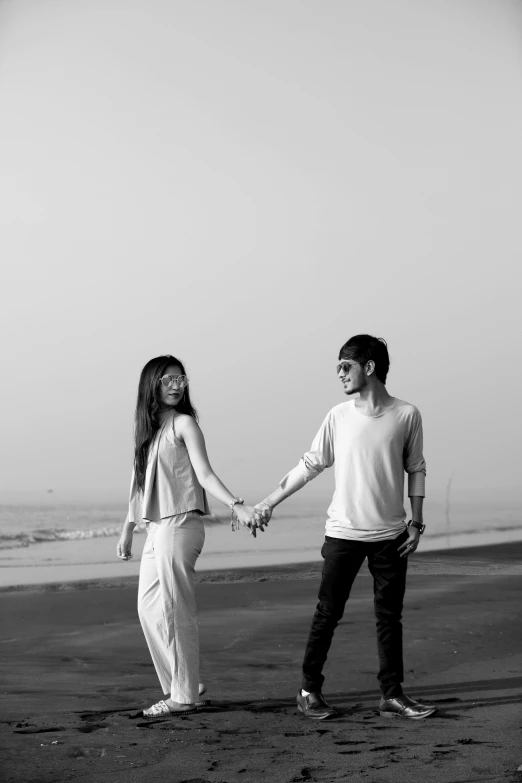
{"x": 418, "y": 525}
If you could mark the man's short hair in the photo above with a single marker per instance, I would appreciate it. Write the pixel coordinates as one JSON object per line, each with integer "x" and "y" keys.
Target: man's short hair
{"x": 363, "y": 347}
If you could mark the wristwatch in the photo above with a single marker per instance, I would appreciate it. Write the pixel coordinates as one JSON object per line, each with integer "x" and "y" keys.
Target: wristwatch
{"x": 418, "y": 525}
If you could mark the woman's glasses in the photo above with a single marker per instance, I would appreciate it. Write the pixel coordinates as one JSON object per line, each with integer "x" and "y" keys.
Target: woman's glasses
{"x": 176, "y": 381}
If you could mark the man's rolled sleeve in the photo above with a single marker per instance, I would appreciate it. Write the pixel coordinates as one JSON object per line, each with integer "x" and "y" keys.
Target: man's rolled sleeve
{"x": 417, "y": 484}
{"x": 320, "y": 456}
{"x": 414, "y": 462}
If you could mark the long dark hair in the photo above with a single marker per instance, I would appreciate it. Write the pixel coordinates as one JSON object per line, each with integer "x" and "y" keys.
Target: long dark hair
{"x": 146, "y": 420}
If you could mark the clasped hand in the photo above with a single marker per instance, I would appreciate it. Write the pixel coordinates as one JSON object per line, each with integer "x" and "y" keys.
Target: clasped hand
{"x": 254, "y": 517}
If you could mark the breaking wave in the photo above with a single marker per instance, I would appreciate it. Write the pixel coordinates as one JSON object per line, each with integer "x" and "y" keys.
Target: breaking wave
{"x": 19, "y": 540}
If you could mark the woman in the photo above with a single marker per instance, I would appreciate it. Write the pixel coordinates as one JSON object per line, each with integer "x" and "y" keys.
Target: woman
{"x": 169, "y": 482}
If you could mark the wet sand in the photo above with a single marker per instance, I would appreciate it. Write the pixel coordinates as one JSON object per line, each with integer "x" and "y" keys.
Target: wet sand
{"x": 76, "y": 671}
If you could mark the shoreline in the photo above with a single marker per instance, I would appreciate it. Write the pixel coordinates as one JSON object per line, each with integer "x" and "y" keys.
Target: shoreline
{"x": 504, "y": 559}
{"x": 294, "y": 541}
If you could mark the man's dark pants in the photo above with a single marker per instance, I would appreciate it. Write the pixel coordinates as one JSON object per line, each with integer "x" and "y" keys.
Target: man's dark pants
{"x": 342, "y": 561}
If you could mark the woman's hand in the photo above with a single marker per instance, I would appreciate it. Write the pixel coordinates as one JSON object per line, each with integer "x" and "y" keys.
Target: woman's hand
{"x": 247, "y": 517}
{"x": 124, "y": 548}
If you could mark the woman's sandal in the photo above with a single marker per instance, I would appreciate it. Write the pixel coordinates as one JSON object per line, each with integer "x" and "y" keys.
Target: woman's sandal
{"x": 162, "y": 709}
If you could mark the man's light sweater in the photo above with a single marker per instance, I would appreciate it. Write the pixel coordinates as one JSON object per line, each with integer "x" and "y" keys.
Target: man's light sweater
{"x": 371, "y": 454}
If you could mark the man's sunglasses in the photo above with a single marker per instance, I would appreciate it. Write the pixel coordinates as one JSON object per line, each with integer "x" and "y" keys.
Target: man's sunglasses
{"x": 345, "y": 367}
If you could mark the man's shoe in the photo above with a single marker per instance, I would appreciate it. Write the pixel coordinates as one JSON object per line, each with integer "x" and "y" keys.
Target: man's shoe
{"x": 404, "y": 707}
{"x": 420, "y": 703}
{"x": 314, "y": 706}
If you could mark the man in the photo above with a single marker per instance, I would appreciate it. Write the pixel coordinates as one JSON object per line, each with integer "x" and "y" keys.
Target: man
{"x": 372, "y": 440}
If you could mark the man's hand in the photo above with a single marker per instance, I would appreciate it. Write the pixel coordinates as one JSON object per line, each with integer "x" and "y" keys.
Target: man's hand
{"x": 411, "y": 543}
{"x": 263, "y": 514}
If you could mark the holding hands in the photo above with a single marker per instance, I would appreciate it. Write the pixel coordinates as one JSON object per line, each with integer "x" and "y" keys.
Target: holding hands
{"x": 263, "y": 514}
{"x": 242, "y": 515}
{"x": 254, "y": 518}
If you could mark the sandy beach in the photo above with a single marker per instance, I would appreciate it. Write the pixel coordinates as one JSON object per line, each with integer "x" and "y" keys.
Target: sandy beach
{"x": 76, "y": 671}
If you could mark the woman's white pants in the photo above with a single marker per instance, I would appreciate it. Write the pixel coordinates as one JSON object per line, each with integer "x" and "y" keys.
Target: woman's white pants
{"x": 167, "y": 604}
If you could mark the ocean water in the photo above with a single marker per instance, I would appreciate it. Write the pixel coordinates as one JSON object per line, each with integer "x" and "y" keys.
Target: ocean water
{"x": 301, "y": 520}
{"x": 49, "y": 542}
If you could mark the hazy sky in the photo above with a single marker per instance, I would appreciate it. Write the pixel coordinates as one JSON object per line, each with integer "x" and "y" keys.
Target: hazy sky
{"x": 246, "y": 185}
